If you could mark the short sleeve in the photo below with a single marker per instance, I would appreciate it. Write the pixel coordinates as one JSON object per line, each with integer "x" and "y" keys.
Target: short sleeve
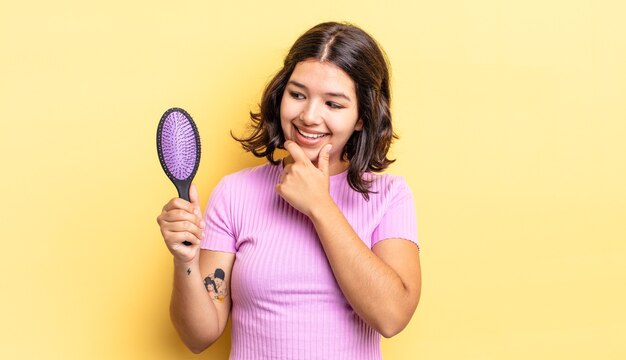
{"x": 218, "y": 230}
{"x": 399, "y": 220}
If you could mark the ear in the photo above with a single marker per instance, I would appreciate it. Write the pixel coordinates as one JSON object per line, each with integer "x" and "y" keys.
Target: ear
{"x": 359, "y": 125}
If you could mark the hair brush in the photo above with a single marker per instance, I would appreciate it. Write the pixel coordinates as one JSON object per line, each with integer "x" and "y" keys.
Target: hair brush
{"x": 178, "y": 146}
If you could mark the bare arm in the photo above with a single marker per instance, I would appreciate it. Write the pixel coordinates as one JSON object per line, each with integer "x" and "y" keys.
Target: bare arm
{"x": 200, "y": 302}
{"x": 383, "y": 284}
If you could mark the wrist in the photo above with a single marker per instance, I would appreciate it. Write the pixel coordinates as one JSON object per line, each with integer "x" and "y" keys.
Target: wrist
{"x": 186, "y": 264}
{"x": 326, "y": 207}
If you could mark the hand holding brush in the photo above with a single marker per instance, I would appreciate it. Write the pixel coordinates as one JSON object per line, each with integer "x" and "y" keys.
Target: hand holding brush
{"x": 181, "y": 222}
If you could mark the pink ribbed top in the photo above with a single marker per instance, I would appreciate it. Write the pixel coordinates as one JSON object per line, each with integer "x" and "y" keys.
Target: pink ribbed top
{"x": 286, "y": 302}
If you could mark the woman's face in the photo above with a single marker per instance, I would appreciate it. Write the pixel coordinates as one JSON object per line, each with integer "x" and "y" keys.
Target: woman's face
{"x": 319, "y": 107}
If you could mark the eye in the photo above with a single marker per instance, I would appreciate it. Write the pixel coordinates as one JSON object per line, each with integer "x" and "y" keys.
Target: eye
{"x": 334, "y": 105}
{"x": 296, "y": 95}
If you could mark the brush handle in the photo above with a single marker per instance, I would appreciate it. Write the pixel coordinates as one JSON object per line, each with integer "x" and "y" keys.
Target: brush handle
{"x": 183, "y": 189}
{"x": 183, "y": 193}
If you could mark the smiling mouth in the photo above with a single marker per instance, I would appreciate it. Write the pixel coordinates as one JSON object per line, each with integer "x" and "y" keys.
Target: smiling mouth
{"x": 310, "y": 136}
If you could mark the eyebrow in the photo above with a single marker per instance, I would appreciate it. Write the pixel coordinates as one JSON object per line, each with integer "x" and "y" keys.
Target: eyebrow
{"x": 335, "y": 94}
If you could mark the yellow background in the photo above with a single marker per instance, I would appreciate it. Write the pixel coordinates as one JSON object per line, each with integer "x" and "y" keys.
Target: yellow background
{"x": 512, "y": 117}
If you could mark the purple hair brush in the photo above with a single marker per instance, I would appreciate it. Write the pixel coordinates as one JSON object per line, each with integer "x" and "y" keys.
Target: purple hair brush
{"x": 178, "y": 146}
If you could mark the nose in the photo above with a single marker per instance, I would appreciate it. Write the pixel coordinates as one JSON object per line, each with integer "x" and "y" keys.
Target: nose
{"x": 311, "y": 114}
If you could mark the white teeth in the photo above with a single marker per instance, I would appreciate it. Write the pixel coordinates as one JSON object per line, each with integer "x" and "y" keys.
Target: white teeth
{"x": 310, "y": 136}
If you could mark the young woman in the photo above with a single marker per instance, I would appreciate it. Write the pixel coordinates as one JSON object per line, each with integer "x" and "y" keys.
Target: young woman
{"x": 315, "y": 254}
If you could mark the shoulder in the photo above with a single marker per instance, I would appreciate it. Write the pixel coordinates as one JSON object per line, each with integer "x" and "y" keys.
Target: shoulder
{"x": 245, "y": 186}
{"x": 252, "y": 175}
{"x": 251, "y": 180}
{"x": 387, "y": 185}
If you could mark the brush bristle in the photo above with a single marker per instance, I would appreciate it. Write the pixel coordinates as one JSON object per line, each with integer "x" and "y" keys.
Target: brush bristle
{"x": 178, "y": 144}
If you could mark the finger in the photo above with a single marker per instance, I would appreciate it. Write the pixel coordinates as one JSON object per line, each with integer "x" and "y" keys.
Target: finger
{"x": 283, "y": 175}
{"x": 181, "y": 237}
{"x": 323, "y": 159}
{"x": 296, "y": 152}
{"x": 178, "y": 203}
{"x": 181, "y": 215}
{"x": 193, "y": 196}
{"x": 186, "y": 226}
{"x": 286, "y": 170}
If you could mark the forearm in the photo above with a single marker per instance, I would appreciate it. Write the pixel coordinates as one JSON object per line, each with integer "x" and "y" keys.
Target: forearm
{"x": 193, "y": 313}
{"x": 375, "y": 291}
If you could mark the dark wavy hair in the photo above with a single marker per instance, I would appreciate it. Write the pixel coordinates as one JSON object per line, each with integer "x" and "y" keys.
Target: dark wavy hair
{"x": 358, "y": 55}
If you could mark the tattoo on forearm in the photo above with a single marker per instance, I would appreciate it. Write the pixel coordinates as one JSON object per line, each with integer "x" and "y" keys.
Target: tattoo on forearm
{"x": 214, "y": 284}
{"x": 188, "y": 271}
